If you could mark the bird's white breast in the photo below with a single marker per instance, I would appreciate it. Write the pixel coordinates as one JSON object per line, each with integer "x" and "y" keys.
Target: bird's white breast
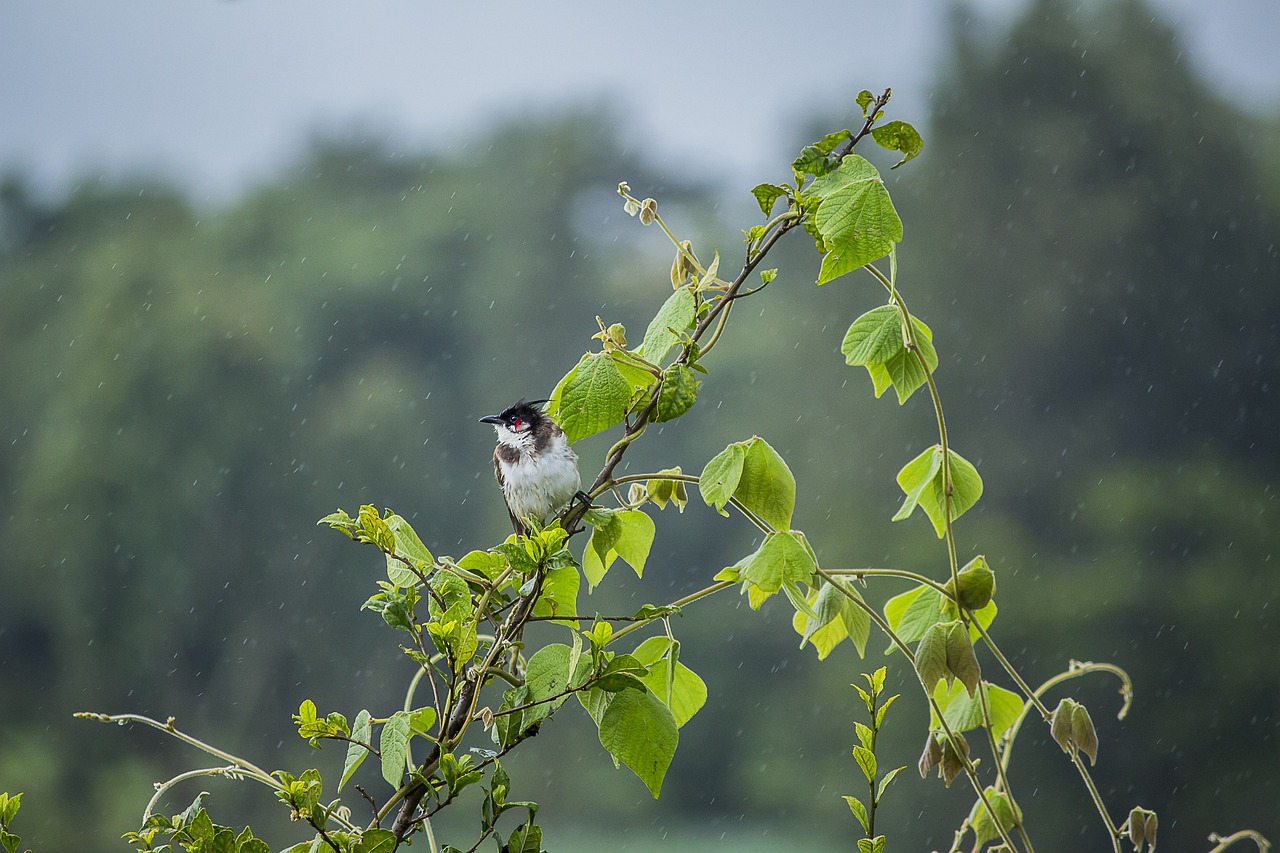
{"x": 541, "y": 484}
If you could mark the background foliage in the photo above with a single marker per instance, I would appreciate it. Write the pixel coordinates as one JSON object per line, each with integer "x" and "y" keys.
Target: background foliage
{"x": 186, "y": 391}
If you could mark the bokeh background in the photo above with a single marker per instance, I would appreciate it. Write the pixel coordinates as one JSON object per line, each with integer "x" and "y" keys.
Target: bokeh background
{"x": 260, "y": 260}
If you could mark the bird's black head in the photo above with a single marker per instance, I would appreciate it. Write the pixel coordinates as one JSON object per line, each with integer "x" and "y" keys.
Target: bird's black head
{"x": 518, "y": 417}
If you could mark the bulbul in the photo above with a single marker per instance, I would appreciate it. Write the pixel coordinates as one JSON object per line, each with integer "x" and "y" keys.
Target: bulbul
{"x": 534, "y": 466}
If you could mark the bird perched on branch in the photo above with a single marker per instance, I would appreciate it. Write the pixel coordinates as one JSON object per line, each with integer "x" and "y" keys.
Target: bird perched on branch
{"x": 533, "y": 463}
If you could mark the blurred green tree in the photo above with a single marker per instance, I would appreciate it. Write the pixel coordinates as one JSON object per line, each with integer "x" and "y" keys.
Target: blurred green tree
{"x": 186, "y": 391}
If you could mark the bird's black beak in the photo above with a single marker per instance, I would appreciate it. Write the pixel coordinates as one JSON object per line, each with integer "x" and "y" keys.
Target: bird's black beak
{"x": 491, "y": 419}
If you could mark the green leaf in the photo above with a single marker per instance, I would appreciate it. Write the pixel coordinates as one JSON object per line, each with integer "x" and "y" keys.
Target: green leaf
{"x": 963, "y": 712}
{"x": 931, "y": 656}
{"x": 526, "y": 838}
{"x": 780, "y": 557}
{"x": 829, "y": 143}
{"x": 1072, "y": 727}
{"x": 874, "y": 338}
{"x": 638, "y": 729}
{"x": 546, "y": 676}
{"x": 887, "y": 780}
{"x": 665, "y": 683}
{"x": 859, "y": 811}
{"x": 871, "y": 845}
{"x": 592, "y": 397}
{"x": 661, "y": 491}
{"x": 616, "y": 533}
{"x": 837, "y": 617}
{"x": 812, "y": 161}
{"x": 966, "y": 488}
{"x": 856, "y": 218}
{"x": 373, "y": 841}
{"x": 559, "y": 596}
{"x": 977, "y": 584}
{"x": 984, "y": 824}
{"x": 9, "y": 805}
{"x": 767, "y": 486}
{"x": 912, "y": 613}
{"x": 1084, "y": 734}
{"x": 881, "y": 381}
{"x": 720, "y": 477}
{"x": 393, "y": 745}
{"x": 675, "y": 315}
{"x": 899, "y": 136}
{"x": 356, "y": 754}
{"x": 421, "y": 720}
{"x": 681, "y": 689}
{"x": 867, "y": 761}
{"x": 896, "y": 612}
{"x": 962, "y": 663}
{"x": 767, "y": 195}
{"x": 678, "y": 394}
{"x": 916, "y": 476}
{"x": 923, "y": 484}
{"x": 864, "y": 100}
{"x": 904, "y": 369}
{"x": 409, "y": 546}
{"x": 487, "y": 564}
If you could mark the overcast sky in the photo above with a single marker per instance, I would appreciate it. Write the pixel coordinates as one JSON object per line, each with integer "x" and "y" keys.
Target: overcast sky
{"x": 218, "y": 94}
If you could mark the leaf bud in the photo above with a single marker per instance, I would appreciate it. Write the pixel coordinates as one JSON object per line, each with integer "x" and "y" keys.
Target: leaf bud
{"x": 681, "y": 269}
{"x": 931, "y": 757}
{"x": 977, "y": 585}
{"x": 648, "y": 211}
{"x": 954, "y": 753}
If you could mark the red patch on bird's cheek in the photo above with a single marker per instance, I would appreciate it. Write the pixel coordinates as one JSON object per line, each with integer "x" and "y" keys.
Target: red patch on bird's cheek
{"x": 517, "y": 423}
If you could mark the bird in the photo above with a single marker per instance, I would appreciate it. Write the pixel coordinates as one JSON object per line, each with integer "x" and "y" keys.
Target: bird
{"x": 533, "y": 463}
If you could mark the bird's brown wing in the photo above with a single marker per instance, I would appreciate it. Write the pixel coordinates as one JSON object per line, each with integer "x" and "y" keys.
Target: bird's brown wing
{"x": 497, "y": 475}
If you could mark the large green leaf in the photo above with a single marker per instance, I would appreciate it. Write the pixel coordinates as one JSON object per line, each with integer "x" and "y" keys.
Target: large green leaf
{"x": 393, "y": 746}
{"x": 899, "y": 136}
{"x": 781, "y": 557}
{"x": 640, "y": 731}
{"x": 680, "y": 688}
{"x": 356, "y": 754}
{"x": 675, "y": 315}
{"x": 874, "y": 337}
{"x": 559, "y": 596}
{"x": 625, "y": 533}
{"x": 912, "y": 613}
{"x": 720, "y": 477}
{"x": 916, "y": 476}
{"x": 835, "y": 617}
{"x": 767, "y": 486}
{"x": 924, "y": 485}
{"x": 547, "y": 677}
{"x": 679, "y": 393}
{"x": 856, "y": 218}
{"x": 410, "y": 547}
{"x": 963, "y": 711}
{"x": 591, "y": 397}
{"x": 752, "y": 472}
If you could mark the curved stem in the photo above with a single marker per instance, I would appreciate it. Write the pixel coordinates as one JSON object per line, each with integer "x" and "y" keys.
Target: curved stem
{"x": 715, "y": 336}
{"x": 1075, "y": 670}
{"x": 680, "y": 602}
{"x": 249, "y": 768}
{"x": 1243, "y": 835}
{"x": 760, "y": 523}
{"x": 162, "y": 788}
